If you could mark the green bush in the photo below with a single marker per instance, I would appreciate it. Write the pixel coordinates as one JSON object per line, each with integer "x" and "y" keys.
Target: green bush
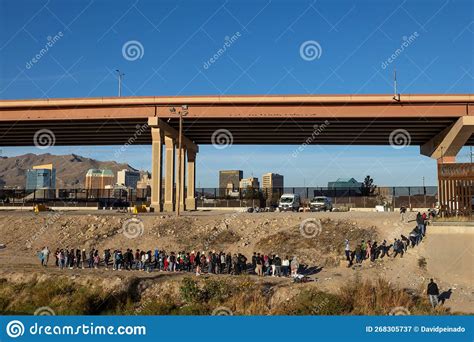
{"x": 190, "y": 291}
{"x": 313, "y": 302}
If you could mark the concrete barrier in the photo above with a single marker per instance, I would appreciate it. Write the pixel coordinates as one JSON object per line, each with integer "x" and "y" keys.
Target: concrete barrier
{"x": 14, "y": 208}
{"x": 449, "y": 230}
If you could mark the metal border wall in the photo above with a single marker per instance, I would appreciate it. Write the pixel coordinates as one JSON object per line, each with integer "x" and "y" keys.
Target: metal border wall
{"x": 456, "y": 188}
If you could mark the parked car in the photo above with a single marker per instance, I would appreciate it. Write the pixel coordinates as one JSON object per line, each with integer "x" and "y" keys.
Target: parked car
{"x": 289, "y": 202}
{"x": 321, "y": 203}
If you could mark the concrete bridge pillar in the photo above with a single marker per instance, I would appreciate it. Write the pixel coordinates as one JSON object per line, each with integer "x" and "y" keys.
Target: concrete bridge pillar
{"x": 163, "y": 133}
{"x": 156, "y": 169}
{"x": 169, "y": 173}
{"x": 180, "y": 184}
{"x": 191, "y": 178}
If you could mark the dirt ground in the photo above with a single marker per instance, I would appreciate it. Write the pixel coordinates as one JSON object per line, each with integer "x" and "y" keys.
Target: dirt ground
{"x": 317, "y": 239}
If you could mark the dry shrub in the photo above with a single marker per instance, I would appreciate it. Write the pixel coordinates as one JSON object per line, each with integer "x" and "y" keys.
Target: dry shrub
{"x": 320, "y": 249}
{"x": 313, "y": 302}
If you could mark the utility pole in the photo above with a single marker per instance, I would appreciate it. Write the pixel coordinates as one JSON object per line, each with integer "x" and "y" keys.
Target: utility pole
{"x": 396, "y": 95}
{"x": 120, "y": 76}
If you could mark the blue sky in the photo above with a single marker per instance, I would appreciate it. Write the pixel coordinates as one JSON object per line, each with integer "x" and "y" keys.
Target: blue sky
{"x": 356, "y": 38}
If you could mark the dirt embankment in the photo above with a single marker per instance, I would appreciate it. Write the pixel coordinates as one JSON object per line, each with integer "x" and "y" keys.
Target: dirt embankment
{"x": 319, "y": 244}
{"x": 283, "y": 234}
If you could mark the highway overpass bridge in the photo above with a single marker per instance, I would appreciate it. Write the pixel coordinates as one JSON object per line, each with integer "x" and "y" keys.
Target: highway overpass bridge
{"x": 439, "y": 124}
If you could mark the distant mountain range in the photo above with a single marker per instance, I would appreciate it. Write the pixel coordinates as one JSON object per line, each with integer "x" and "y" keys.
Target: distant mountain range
{"x": 70, "y": 169}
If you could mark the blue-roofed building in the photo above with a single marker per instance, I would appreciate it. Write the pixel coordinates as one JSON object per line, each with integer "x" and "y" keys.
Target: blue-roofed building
{"x": 345, "y": 184}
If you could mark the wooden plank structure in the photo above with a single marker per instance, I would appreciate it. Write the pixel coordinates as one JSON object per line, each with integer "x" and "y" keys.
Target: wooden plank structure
{"x": 456, "y": 188}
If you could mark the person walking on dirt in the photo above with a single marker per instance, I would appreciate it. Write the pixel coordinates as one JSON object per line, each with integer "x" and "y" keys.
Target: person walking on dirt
{"x": 62, "y": 260}
{"x": 420, "y": 223}
{"x": 266, "y": 264}
{"x": 403, "y": 211}
{"x": 243, "y": 263}
{"x": 347, "y": 251}
{"x": 228, "y": 263}
{"x": 358, "y": 254}
{"x": 197, "y": 263}
{"x": 78, "y": 258}
{"x": 398, "y": 248}
{"x": 285, "y": 265}
{"x": 363, "y": 247}
{"x": 277, "y": 262}
{"x": 83, "y": 258}
{"x": 373, "y": 251}
{"x": 210, "y": 266}
{"x": 41, "y": 256}
{"x": 433, "y": 293}
{"x": 56, "y": 256}
{"x": 384, "y": 249}
{"x": 425, "y": 218}
{"x": 368, "y": 253}
{"x": 106, "y": 258}
{"x": 294, "y": 266}
{"x": 72, "y": 258}
{"x": 45, "y": 252}
{"x": 406, "y": 242}
{"x": 96, "y": 259}
{"x": 258, "y": 265}
{"x": 91, "y": 258}
{"x": 66, "y": 256}
{"x": 235, "y": 264}
{"x": 223, "y": 262}
{"x": 254, "y": 262}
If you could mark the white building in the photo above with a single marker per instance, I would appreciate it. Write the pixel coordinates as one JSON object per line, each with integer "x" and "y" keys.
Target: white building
{"x": 128, "y": 178}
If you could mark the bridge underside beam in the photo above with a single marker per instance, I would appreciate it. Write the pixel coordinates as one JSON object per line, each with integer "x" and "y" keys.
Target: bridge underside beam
{"x": 448, "y": 143}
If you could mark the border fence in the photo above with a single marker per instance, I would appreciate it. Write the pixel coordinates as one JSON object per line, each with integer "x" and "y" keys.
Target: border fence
{"x": 391, "y": 197}
{"x": 394, "y": 197}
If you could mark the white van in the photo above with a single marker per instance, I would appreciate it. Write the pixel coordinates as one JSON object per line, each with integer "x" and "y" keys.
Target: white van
{"x": 289, "y": 202}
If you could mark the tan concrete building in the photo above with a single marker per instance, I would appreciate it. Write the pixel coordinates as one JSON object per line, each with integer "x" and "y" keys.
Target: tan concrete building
{"x": 271, "y": 181}
{"x": 144, "y": 185}
{"x": 251, "y": 182}
{"x": 99, "y": 179}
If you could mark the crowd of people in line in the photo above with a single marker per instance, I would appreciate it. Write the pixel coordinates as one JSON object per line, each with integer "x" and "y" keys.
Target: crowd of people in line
{"x": 224, "y": 263}
{"x": 371, "y": 250}
{"x": 198, "y": 262}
